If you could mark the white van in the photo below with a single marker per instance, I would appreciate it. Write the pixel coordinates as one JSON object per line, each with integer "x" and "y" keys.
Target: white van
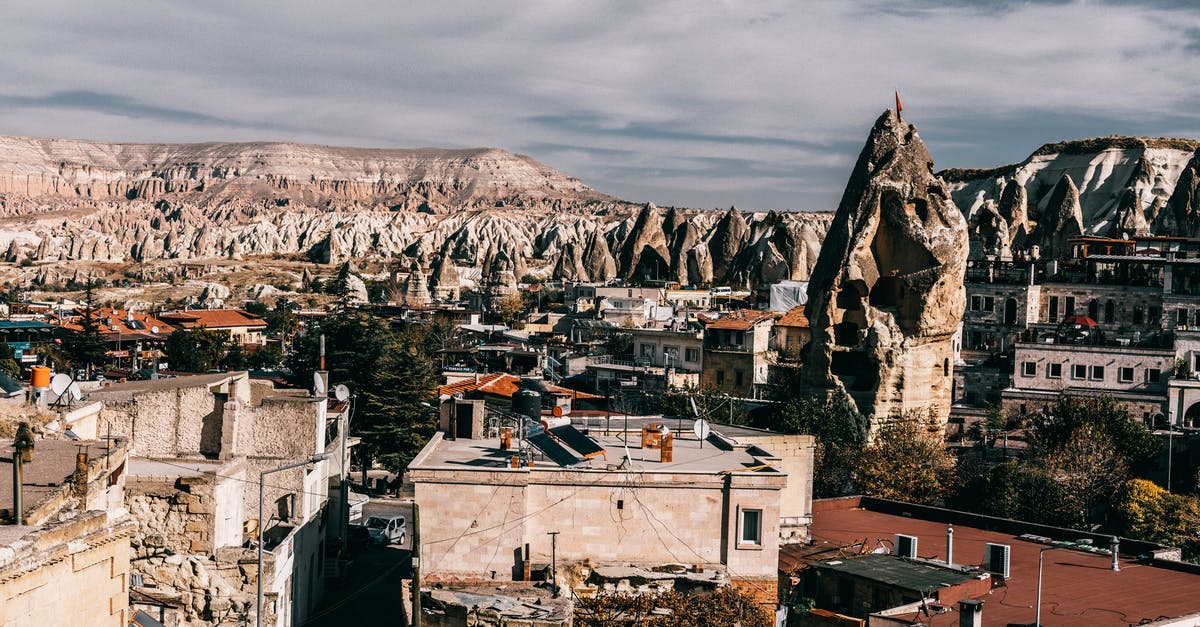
{"x": 721, "y": 291}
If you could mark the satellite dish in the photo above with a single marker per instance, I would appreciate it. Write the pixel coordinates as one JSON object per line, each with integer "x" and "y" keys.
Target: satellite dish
{"x": 154, "y": 329}
{"x": 701, "y": 429}
{"x": 60, "y": 383}
{"x": 75, "y": 392}
{"x": 341, "y": 392}
{"x": 320, "y": 388}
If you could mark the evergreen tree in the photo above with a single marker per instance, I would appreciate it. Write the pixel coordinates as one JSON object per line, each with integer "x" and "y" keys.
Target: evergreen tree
{"x": 196, "y": 350}
{"x": 391, "y": 420}
{"x": 87, "y": 348}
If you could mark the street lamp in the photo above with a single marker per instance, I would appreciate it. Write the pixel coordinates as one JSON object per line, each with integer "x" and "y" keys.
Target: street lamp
{"x": 262, "y": 477}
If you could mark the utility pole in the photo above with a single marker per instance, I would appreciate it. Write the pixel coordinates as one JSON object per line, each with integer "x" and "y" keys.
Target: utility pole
{"x": 553, "y": 562}
{"x": 416, "y": 566}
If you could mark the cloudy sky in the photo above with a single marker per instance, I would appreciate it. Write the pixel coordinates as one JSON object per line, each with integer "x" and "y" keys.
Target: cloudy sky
{"x": 703, "y": 104}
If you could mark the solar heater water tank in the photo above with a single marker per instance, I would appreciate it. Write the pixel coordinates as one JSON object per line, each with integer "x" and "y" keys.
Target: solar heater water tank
{"x": 527, "y": 401}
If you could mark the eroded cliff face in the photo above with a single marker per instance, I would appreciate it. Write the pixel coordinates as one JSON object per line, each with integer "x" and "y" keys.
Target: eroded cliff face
{"x": 886, "y": 294}
{"x": 1121, "y": 187}
{"x": 64, "y": 203}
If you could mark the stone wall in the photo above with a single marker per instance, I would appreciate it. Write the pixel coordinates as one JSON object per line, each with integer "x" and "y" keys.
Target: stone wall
{"x": 474, "y": 522}
{"x": 67, "y": 573}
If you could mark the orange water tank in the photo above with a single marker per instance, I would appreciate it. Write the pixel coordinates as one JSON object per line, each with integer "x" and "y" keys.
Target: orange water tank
{"x": 40, "y": 378}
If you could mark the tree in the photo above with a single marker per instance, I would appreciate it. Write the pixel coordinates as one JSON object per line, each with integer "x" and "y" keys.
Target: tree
{"x": 281, "y": 319}
{"x": 195, "y": 350}
{"x": 265, "y": 358}
{"x": 392, "y": 421}
{"x": 1148, "y": 512}
{"x": 1089, "y": 470}
{"x": 907, "y": 461}
{"x": 235, "y": 357}
{"x": 840, "y": 431}
{"x": 721, "y": 608}
{"x": 8, "y": 362}
{"x": 86, "y": 348}
{"x": 1131, "y": 440}
{"x": 619, "y": 345}
{"x": 510, "y": 310}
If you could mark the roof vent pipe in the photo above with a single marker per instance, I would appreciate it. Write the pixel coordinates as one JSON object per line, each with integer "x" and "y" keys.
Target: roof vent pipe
{"x": 949, "y": 545}
{"x": 1114, "y": 545}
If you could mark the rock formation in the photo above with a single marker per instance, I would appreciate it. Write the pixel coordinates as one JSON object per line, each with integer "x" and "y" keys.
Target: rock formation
{"x": 886, "y": 294}
{"x": 74, "y": 204}
{"x": 1061, "y": 221}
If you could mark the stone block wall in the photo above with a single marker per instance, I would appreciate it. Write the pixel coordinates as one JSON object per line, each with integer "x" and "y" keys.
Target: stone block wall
{"x": 67, "y": 573}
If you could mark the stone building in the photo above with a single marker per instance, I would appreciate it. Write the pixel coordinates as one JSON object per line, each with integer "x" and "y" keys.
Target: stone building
{"x": 198, "y": 444}
{"x": 69, "y": 563}
{"x": 691, "y": 502}
{"x": 738, "y": 352}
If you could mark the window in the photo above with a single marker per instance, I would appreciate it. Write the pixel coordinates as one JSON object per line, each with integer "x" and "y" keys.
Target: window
{"x": 1139, "y": 314}
{"x": 1125, "y": 375}
{"x": 691, "y": 354}
{"x": 1153, "y": 375}
{"x": 1078, "y": 371}
{"x": 1155, "y": 314}
{"x": 1029, "y": 368}
{"x": 720, "y": 377}
{"x": 671, "y": 355}
{"x": 983, "y": 303}
{"x": 1053, "y": 371}
{"x": 1096, "y": 373}
{"x": 1052, "y": 313}
{"x": 1110, "y": 309}
{"x": 737, "y": 377}
{"x": 751, "y": 532}
{"x": 1070, "y": 305}
{"x": 1181, "y": 317}
{"x": 647, "y": 350}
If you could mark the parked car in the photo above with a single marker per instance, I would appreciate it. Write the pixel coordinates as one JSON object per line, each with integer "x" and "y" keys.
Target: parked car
{"x": 387, "y": 530}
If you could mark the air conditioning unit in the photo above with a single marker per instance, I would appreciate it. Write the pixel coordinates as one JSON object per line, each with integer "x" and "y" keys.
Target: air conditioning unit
{"x": 906, "y": 546}
{"x": 996, "y": 559}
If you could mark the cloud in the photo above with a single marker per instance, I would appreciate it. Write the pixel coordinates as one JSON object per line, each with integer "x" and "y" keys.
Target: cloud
{"x": 756, "y": 103}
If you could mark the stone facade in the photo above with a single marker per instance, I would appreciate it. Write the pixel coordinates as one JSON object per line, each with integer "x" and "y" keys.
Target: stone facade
{"x": 476, "y": 519}
{"x": 202, "y": 442}
{"x": 67, "y": 573}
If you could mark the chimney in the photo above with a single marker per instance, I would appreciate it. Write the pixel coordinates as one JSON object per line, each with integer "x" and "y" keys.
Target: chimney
{"x": 949, "y": 545}
{"x": 1114, "y": 545}
{"x": 970, "y": 613}
{"x": 81, "y": 472}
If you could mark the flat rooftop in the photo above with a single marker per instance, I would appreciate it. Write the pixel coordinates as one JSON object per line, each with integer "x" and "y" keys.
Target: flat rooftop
{"x": 129, "y": 388}
{"x": 1078, "y": 588}
{"x": 896, "y": 571}
{"x": 689, "y": 454}
{"x": 53, "y": 465}
{"x": 143, "y": 467}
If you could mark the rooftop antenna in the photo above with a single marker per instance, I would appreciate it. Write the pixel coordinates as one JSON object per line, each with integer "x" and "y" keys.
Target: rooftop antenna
{"x": 59, "y": 386}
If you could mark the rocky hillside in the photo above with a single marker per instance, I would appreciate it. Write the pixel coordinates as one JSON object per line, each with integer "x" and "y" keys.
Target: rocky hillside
{"x": 64, "y": 203}
{"x": 1111, "y": 186}
{"x": 430, "y": 179}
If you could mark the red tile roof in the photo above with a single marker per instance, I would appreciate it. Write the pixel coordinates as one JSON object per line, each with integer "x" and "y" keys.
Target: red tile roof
{"x": 114, "y": 322}
{"x": 741, "y": 320}
{"x": 1077, "y": 588}
{"x": 214, "y": 318}
{"x": 501, "y": 384}
{"x": 794, "y": 318}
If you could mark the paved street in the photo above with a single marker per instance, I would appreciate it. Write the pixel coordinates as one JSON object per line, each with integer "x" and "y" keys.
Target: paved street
{"x": 370, "y": 593}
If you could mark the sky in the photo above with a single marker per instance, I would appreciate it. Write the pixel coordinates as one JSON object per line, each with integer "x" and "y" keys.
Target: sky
{"x": 758, "y": 104}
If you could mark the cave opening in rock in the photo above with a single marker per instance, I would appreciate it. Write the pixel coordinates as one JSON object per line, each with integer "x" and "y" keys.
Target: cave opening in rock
{"x": 651, "y": 266}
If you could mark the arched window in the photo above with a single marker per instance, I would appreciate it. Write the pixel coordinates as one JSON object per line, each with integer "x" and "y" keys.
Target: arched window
{"x": 1110, "y": 309}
